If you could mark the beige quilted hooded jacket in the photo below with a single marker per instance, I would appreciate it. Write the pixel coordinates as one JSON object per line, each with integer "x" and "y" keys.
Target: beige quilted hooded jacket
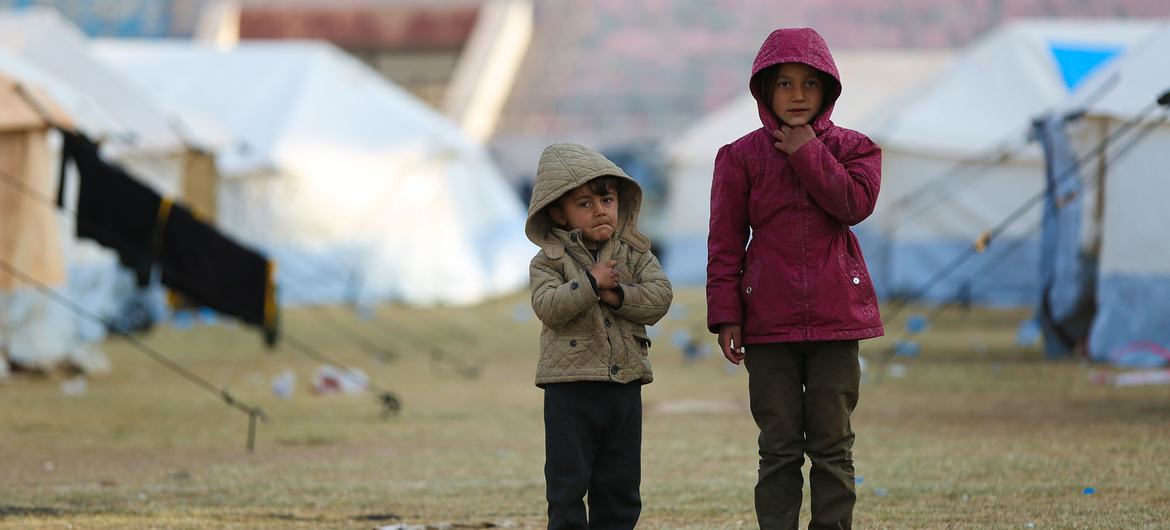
{"x": 582, "y": 339}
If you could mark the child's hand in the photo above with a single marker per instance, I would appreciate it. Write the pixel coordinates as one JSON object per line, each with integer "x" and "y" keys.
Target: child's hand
{"x": 611, "y": 298}
{"x": 607, "y": 277}
{"x": 729, "y": 342}
{"x": 792, "y": 138}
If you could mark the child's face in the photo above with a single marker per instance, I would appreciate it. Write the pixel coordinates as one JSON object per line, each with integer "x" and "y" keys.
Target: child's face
{"x": 798, "y": 94}
{"x": 594, "y": 213}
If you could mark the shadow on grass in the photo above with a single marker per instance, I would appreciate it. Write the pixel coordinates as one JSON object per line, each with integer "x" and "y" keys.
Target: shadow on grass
{"x": 30, "y": 511}
{"x": 292, "y": 517}
{"x": 377, "y": 517}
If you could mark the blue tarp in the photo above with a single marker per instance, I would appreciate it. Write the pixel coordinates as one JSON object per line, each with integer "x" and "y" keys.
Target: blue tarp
{"x": 1067, "y": 274}
{"x": 1077, "y": 60}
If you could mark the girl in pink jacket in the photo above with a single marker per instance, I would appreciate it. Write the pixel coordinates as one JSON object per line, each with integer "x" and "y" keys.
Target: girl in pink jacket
{"x": 787, "y": 287}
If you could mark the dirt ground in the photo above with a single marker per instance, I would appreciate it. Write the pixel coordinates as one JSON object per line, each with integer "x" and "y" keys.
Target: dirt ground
{"x": 975, "y": 432}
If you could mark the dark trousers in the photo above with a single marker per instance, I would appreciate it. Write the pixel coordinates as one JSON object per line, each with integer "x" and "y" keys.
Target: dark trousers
{"x": 802, "y": 395}
{"x": 593, "y": 444}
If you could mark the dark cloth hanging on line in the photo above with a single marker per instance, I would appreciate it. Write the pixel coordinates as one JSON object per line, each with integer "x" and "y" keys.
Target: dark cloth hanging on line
{"x": 113, "y": 208}
{"x": 214, "y": 271}
{"x": 211, "y": 270}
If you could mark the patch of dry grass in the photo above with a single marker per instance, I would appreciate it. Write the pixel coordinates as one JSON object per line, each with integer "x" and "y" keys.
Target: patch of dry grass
{"x": 980, "y": 433}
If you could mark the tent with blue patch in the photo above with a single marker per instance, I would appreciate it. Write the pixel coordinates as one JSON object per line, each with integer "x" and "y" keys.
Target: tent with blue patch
{"x": 1077, "y": 61}
{"x": 1116, "y": 253}
{"x": 959, "y": 158}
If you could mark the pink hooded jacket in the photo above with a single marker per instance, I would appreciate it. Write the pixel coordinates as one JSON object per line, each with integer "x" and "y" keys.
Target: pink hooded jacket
{"x": 802, "y": 276}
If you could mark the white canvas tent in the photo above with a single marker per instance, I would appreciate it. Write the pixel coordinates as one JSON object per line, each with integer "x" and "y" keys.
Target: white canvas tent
{"x": 933, "y": 205}
{"x": 871, "y": 79}
{"x": 1126, "y": 235}
{"x": 357, "y": 189}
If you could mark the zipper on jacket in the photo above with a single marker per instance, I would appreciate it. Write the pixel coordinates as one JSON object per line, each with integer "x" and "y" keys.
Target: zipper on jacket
{"x": 577, "y": 240}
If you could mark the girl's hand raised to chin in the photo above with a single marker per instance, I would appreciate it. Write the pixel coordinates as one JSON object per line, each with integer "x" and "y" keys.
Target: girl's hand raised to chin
{"x": 792, "y": 138}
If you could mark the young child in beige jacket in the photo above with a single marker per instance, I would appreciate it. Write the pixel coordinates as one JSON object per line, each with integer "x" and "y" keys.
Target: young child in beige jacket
{"x": 595, "y": 288}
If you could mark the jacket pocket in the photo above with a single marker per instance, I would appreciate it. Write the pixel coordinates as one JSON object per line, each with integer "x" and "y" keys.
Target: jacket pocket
{"x": 852, "y": 267}
{"x": 751, "y": 277}
{"x": 752, "y": 293}
{"x": 862, "y": 300}
{"x": 641, "y": 343}
{"x": 574, "y": 343}
{"x": 638, "y": 355}
{"x": 572, "y": 353}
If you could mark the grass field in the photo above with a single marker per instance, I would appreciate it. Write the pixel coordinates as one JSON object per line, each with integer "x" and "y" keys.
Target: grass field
{"x": 978, "y": 433}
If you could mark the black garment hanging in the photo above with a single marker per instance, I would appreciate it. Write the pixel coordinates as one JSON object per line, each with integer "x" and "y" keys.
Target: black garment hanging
{"x": 118, "y": 212}
{"x": 113, "y": 208}
{"x": 216, "y": 272}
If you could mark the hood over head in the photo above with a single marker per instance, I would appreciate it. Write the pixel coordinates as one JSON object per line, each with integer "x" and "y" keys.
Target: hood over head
{"x": 797, "y": 45}
{"x": 565, "y": 166}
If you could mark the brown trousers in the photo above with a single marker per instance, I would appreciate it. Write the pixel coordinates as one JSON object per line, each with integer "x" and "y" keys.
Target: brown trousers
{"x": 802, "y": 394}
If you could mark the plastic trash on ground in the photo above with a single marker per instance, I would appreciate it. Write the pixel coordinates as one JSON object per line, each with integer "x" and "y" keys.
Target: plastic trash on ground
{"x": 693, "y": 351}
{"x": 75, "y": 387}
{"x": 284, "y": 383}
{"x": 916, "y": 324}
{"x": 208, "y": 316}
{"x": 1140, "y": 355}
{"x": 896, "y": 371}
{"x": 1134, "y": 378}
{"x": 907, "y": 348}
{"x": 330, "y": 379}
{"x": 183, "y": 319}
{"x": 1028, "y": 333}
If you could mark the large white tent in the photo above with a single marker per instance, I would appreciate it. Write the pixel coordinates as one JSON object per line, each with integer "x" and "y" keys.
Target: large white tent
{"x": 357, "y": 189}
{"x": 871, "y": 79}
{"x": 1126, "y": 233}
{"x": 957, "y": 158}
